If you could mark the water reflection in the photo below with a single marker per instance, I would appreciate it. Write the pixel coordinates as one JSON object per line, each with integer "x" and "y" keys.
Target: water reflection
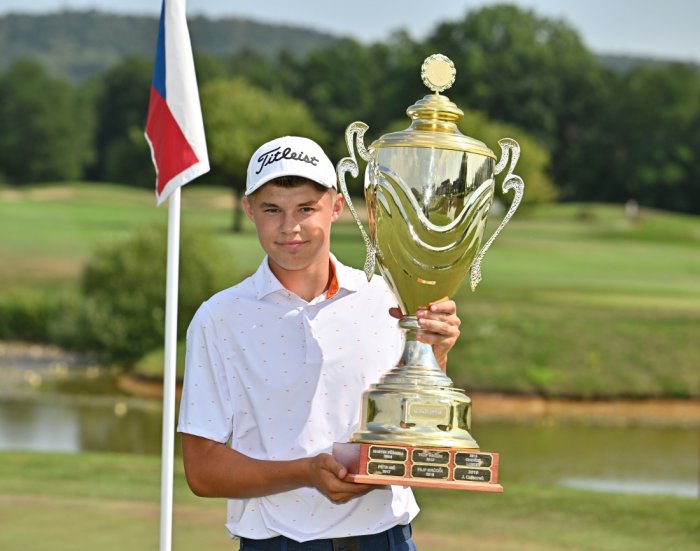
{"x": 39, "y": 427}
{"x": 78, "y": 424}
{"x": 53, "y": 401}
{"x": 81, "y": 409}
{"x": 646, "y": 487}
{"x": 136, "y": 431}
{"x": 640, "y": 460}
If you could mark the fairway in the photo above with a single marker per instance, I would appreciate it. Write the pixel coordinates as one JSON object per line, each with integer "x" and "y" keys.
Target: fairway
{"x": 51, "y": 230}
{"x": 576, "y": 300}
{"x": 110, "y": 502}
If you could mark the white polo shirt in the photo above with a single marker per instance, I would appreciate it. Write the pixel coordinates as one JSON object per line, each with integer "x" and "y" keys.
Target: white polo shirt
{"x": 280, "y": 378}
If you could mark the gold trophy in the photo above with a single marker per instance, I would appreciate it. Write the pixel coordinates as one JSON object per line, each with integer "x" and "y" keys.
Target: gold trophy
{"x": 429, "y": 190}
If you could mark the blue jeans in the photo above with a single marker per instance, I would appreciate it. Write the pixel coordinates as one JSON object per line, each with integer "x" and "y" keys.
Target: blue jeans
{"x": 397, "y": 538}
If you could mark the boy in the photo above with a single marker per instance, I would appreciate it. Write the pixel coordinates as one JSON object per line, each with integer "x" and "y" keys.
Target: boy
{"x": 276, "y": 367}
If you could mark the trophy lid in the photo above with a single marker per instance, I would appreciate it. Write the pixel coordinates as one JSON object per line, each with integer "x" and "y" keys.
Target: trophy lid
{"x": 435, "y": 117}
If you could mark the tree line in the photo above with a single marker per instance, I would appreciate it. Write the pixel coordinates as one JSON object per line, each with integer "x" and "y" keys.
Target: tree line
{"x": 588, "y": 132}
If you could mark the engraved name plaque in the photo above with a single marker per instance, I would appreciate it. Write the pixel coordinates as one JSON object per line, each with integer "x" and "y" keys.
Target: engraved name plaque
{"x": 419, "y": 466}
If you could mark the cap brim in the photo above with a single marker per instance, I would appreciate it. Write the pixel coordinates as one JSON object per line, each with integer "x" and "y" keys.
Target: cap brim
{"x": 283, "y": 173}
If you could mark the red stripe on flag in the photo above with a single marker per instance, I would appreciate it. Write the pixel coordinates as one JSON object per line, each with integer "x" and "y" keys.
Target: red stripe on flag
{"x": 172, "y": 152}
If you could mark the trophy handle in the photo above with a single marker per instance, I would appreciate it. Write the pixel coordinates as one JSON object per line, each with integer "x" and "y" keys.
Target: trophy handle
{"x": 354, "y": 134}
{"x": 509, "y": 149}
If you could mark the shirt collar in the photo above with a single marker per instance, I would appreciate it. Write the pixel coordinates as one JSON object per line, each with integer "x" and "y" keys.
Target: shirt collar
{"x": 342, "y": 277}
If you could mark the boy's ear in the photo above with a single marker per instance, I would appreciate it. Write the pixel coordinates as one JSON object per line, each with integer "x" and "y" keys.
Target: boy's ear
{"x": 247, "y": 207}
{"x": 338, "y": 204}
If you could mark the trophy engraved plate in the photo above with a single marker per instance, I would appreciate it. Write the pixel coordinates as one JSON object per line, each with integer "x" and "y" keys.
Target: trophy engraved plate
{"x": 429, "y": 471}
{"x": 438, "y": 457}
{"x": 435, "y": 413}
{"x": 472, "y": 475}
{"x": 466, "y": 459}
{"x": 386, "y": 468}
{"x": 428, "y": 190}
{"x": 388, "y": 454}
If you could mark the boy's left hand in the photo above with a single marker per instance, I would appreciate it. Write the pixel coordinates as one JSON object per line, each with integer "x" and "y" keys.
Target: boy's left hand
{"x": 440, "y": 327}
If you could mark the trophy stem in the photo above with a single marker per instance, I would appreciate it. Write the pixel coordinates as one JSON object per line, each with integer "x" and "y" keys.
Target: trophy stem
{"x": 416, "y": 403}
{"x": 417, "y": 366}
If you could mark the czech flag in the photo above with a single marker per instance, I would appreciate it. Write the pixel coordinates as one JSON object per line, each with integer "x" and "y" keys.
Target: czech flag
{"x": 174, "y": 128}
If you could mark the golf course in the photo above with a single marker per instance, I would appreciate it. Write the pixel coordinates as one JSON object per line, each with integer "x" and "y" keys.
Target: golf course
{"x": 579, "y": 302}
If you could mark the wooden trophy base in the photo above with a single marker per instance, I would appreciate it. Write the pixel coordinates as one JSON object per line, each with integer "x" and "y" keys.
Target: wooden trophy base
{"x": 448, "y": 468}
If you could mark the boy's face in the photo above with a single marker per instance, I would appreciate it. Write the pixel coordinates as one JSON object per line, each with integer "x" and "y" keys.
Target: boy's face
{"x": 294, "y": 224}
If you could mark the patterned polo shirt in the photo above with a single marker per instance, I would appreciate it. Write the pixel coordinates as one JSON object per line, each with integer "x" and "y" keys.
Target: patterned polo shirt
{"x": 280, "y": 378}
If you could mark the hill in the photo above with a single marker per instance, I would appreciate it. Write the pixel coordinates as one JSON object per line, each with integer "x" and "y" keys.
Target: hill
{"x": 625, "y": 63}
{"x": 78, "y": 44}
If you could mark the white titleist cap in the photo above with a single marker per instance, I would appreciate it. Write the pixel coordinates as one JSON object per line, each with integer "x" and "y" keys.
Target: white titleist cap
{"x": 289, "y": 156}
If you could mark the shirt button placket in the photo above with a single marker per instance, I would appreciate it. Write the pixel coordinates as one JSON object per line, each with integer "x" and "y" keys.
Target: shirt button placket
{"x": 312, "y": 347}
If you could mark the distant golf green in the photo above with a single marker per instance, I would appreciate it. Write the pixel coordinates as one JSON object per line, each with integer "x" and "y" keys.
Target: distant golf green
{"x": 576, "y": 300}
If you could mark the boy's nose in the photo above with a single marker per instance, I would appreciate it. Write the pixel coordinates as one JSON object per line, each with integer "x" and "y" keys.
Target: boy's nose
{"x": 290, "y": 224}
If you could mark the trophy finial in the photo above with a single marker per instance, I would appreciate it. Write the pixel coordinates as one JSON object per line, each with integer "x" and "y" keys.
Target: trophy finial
{"x": 438, "y": 72}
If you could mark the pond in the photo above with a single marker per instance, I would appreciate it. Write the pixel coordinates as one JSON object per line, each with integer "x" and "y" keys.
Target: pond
{"x": 45, "y": 406}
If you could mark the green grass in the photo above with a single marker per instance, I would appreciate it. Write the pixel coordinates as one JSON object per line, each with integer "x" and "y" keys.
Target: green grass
{"x": 111, "y": 502}
{"x": 51, "y": 230}
{"x": 98, "y": 501}
{"x": 576, "y": 300}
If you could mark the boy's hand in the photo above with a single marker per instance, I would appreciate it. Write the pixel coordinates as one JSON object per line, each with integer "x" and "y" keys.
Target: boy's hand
{"x": 440, "y": 327}
{"x": 326, "y": 475}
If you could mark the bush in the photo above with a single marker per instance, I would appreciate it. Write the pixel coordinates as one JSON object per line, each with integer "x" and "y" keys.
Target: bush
{"x": 122, "y": 313}
{"x": 28, "y": 317}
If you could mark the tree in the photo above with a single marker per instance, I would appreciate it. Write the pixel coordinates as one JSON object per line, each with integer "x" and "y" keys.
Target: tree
{"x": 647, "y": 142}
{"x": 122, "y": 105}
{"x": 340, "y": 84}
{"x": 259, "y": 70}
{"x": 238, "y": 118}
{"x": 46, "y": 126}
{"x": 532, "y": 72}
{"x": 399, "y": 85}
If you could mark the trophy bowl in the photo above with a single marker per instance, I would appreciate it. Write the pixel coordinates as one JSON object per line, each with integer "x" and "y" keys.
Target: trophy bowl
{"x": 428, "y": 191}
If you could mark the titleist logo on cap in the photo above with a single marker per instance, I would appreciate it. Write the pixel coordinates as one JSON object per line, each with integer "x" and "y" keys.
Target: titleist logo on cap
{"x": 289, "y": 156}
{"x": 276, "y": 154}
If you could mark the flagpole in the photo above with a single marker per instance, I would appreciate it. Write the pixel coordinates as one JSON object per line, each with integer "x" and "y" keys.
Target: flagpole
{"x": 169, "y": 373}
{"x": 175, "y": 135}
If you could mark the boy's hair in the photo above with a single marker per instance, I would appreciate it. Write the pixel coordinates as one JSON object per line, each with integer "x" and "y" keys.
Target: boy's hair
{"x": 295, "y": 181}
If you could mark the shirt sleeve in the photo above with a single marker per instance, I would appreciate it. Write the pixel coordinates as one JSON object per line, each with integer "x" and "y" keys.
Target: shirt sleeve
{"x": 205, "y": 406}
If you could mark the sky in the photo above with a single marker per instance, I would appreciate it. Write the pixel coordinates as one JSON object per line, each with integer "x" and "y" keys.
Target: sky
{"x": 666, "y": 29}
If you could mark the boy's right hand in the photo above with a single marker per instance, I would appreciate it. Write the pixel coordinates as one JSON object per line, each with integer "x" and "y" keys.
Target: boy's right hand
{"x": 327, "y": 476}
